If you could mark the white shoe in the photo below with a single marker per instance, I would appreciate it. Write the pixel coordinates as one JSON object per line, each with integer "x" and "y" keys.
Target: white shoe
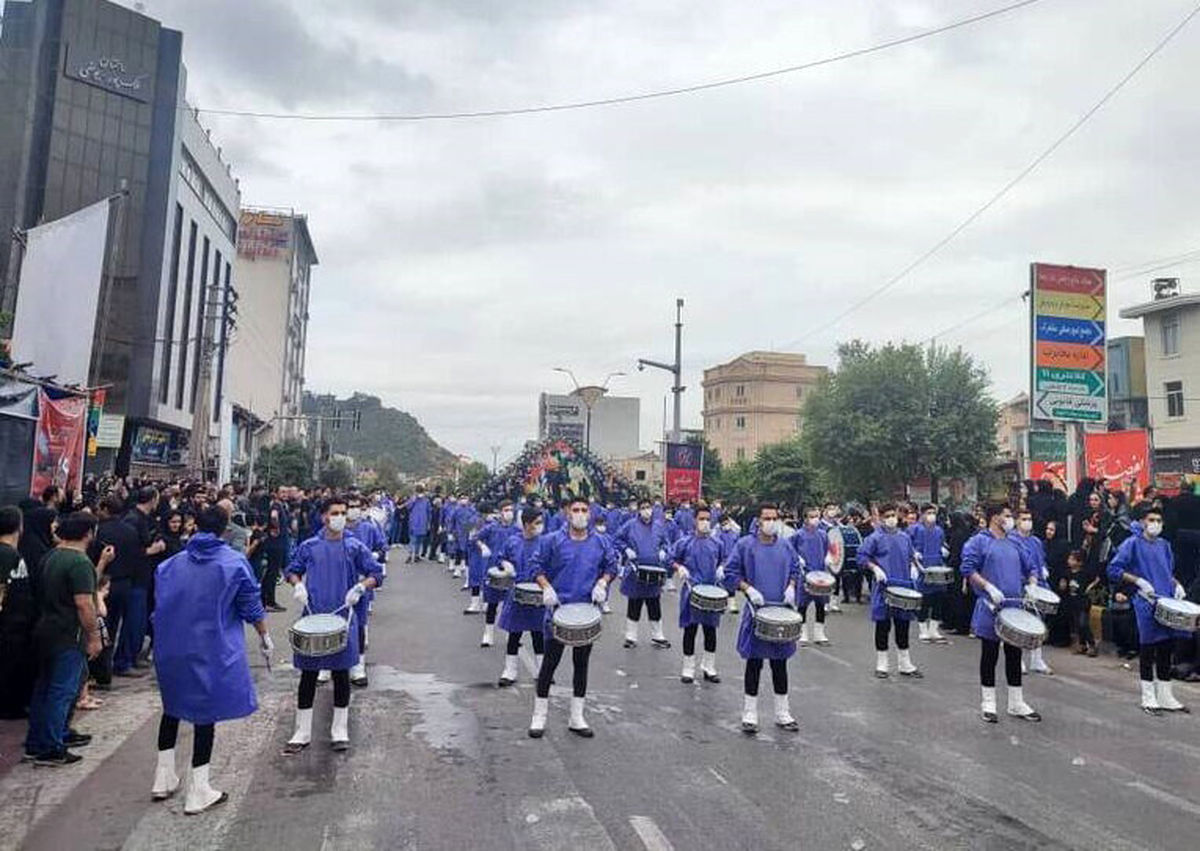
{"x": 474, "y": 607}
{"x": 819, "y": 636}
{"x": 541, "y": 708}
{"x": 606, "y": 608}
{"x": 458, "y": 572}
{"x": 537, "y": 664}
{"x": 656, "y": 635}
{"x": 905, "y": 666}
{"x": 358, "y": 672}
{"x": 1165, "y": 693}
{"x": 834, "y": 605}
{"x": 489, "y": 635}
{"x": 689, "y": 669}
{"x": 804, "y": 633}
{"x": 1018, "y": 708}
{"x": 441, "y": 557}
{"x": 708, "y": 667}
{"x": 734, "y": 608}
{"x": 339, "y": 729}
{"x": 578, "y": 724}
{"x": 303, "y": 735}
{"x": 631, "y": 633}
{"x": 669, "y": 585}
{"x": 1037, "y": 664}
{"x": 749, "y": 714}
{"x": 201, "y": 796}
{"x": 1150, "y": 702}
{"x": 509, "y": 675}
{"x": 783, "y": 714}
{"x": 987, "y": 706}
{"x": 881, "y": 664}
{"x": 935, "y": 632}
{"x": 923, "y": 631}
{"x": 166, "y": 781}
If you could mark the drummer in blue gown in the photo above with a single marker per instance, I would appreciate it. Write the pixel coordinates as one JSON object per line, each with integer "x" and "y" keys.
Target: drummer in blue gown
{"x": 765, "y": 568}
{"x": 360, "y": 525}
{"x": 696, "y": 558}
{"x": 644, "y": 540}
{"x": 1145, "y": 561}
{"x": 888, "y": 554}
{"x": 515, "y": 556}
{"x": 492, "y": 538}
{"x": 572, "y": 565}
{"x": 325, "y": 575}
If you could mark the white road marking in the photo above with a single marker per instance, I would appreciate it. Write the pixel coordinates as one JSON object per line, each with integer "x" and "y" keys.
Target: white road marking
{"x": 1166, "y": 797}
{"x": 717, "y": 775}
{"x": 648, "y": 832}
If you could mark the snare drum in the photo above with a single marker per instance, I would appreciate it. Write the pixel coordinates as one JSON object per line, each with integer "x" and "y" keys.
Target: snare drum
{"x": 1043, "y": 599}
{"x": 499, "y": 578}
{"x": 319, "y": 635}
{"x": 818, "y": 583}
{"x": 1177, "y": 614}
{"x": 527, "y": 594}
{"x": 777, "y": 624}
{"x": 708, "y": 598}
{"x": 937, "y": 575}
{"x": 649, "y": 574}
{"x": 1020, "y": 628}
{"x": 576, "y": 624}
{"x": 904, "y": 599}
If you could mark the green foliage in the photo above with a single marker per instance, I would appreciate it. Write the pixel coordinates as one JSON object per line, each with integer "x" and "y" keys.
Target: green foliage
{"x": 783, "y": 474}
{"x": 284, "y": 463}
{"x": 384, "y": 432}
{"x": 387, "y": 473}
{"x": 338, "y": 474}
{"x": 737, "y": 484}
{"x": 473, "y": 476}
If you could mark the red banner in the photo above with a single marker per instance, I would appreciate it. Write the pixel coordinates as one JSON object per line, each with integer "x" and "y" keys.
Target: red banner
{"x": 59, "y": 443}
{"x": 683, "y": 472}
{"x": 1119, "y": 458}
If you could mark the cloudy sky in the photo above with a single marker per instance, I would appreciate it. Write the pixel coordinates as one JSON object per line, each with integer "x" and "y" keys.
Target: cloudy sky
{"x": 462, "y": 260}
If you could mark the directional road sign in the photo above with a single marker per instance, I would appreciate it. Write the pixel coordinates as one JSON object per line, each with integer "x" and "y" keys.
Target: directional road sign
{"x": 1068, "y": 341}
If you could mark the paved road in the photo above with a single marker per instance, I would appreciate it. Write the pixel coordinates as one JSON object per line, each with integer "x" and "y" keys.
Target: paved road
{"x": 440, "y": 758}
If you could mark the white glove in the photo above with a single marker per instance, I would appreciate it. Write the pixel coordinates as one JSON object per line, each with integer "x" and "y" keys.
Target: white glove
{"x": 508, "y": 567}
{"x": 355, "y": 594}
{"x": 485, "y": 550}
{"x": 662, "y": 556}
{"x": 828, "y": 561}
{"x": 599, "y": 593}
{"x": 266, "y": 647}
{"x": 631, "y": 553}
{"x": 1032, "y": 581}
{"x": 1045, "y": 574}
{"x": 1179, "y": 592}
{"x": 549, "y": 597}
{"x": 880, "y": 575}
{"x": 995, "y": 593}
{"x": 683, "y": 573}
{"x": 720, "y": 573}
{"x": 755, "y": 596}
{"x": 789, "y": 596}
{"x": 300, "y": 594}
{"x": 913, "y": 573}
{"x": 450, "y": 537}
{"x": 1145, "y": 587}
{"x": 945, "y": 552}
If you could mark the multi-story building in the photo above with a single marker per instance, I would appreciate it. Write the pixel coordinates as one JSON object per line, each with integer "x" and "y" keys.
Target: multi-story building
{"x": 615, "y": 422}
{"x": 264, "y": 363}
{"x": 1171, "y": 327}
{"x": 755, "y": 400}
{"x": 92, "y": 97}
{"x": 644, "y": 469}
{"x": 1128, "y": 406}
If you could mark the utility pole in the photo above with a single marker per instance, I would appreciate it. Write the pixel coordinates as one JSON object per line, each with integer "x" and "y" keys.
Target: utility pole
{"x": 495, "y": 455}
{"x": 201, "y": 418}
{"x": 676, "y": 369}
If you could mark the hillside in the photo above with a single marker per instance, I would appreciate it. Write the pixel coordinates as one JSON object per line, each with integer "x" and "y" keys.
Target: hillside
{"x": 383, "y": 432}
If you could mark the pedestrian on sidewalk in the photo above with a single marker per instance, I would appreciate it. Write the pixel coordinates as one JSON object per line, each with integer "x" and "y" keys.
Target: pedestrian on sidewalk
{"x": 18, "y": 614}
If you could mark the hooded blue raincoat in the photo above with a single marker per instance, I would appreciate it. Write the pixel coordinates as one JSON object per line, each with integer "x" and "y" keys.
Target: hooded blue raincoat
{"x": 769, "y": 568}
{"x": 329, "y": 569}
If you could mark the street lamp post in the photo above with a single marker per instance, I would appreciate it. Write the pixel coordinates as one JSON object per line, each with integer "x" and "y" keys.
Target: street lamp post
{"x": 590, "y": 394}
{"x": 676, "y": 369}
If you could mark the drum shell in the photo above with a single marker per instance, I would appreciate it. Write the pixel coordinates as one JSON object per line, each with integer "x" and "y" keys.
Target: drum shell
{"x": 1177, "y": 614}
{"x": 1045, "y": 601}
{"x": 818, "y": 583}
{"x": 777, "y": 630}
{"x": 905, "y": 602}
{"x": 576, "y": 634}
{"x": 705, "y": 602}
{"x": 937, "y": 576}
{"x": 524, "y": 594}
{"x": 318, "y": 644}
{"x": 1010, "y": 632}
{"x": 500, "y": 580}
{"x": 649, "y": 575}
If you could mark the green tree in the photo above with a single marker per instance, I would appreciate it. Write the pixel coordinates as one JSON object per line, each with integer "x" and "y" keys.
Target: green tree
{"x": 784, "y": 475}
{"x": 285, "y": 463}
{"x": 737, "y": 484}
{"x": 387, "y": 473}
{"x": 338, "y": 474}
{"x": 711, "y": 471}
{"x": 893, "y": 413}
{"x": 473, "y": 476}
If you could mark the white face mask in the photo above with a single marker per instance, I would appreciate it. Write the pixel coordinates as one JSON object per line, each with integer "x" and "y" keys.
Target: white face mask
{"x": 890, "y": 522}
{"x": 337, "y": 522}
{"x": 1008, "y": 524}
{"x": 811, "y": 522}
{"x": 1153, "y": 528}
{"x": 770, "y": 527}
{"x": 506, "y": 515}
{"x": 600, "y": 530}
{"x": 539, "y": 529}
{"x": 579, "y": 521}
{"x": 930, "y": 518}
{"x": 646, "y": 513}
{"x": 1026, "y": 525}
{"x": 702, "y": 526}
{"x": 353, "y": 513}
{"x": 831, "y": 514}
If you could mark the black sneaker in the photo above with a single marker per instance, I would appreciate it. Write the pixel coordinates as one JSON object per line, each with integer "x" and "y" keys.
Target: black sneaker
{"x": 76, "y": 739}
{"x": 57, "y": 758}
{"x": 131, "y": 673}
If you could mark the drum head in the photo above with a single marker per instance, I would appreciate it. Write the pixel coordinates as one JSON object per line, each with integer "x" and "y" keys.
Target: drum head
{"x": 898, "y": 591}
{"x": 777, "y": 615}
{"x": 576, "y": 615}
{"x": 1022, "y": 621}
{"x": 819, "y": 577}
{"x": 1044, "y": 595}
{"x": 1182, "y": 607}
{"x": 837, "y": 549}
{"x": 710, "y": 592}
{"x": 319, "y": 624}
{"x": 496, "y": 571}
{"x": 651, "y": 568}
{"x": 531, "y": 587}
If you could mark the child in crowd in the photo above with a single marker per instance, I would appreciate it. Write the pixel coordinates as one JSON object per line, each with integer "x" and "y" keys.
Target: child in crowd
{"x": 1075, "y": 587}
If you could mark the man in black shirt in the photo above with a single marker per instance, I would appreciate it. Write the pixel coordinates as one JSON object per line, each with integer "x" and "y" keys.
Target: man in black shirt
{"x": 17, "y": 617}
{"x": 128, "y": 599}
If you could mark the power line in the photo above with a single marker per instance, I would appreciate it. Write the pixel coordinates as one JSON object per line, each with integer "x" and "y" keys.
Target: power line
{"x": 972, "y": 318}
{"x": 1004, "y": 190}
{"x": 623, "y": 99}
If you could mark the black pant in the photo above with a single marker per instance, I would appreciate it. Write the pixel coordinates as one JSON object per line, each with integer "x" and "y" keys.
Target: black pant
{"x": 779, "y": 675}
{"x": 489, "y": 616}
{"x": 932, "y": 607}
{"x": 689, "y": 639}
{"x": 270, "y": 579}
{"x": 579, "y": 659}
{"x": 989, "y": 655}
{"x": 536, "y": 636}
{"x": 1124, "y": 630}
{"x": 1081, "y": 618}
{"x": 308, "y": 688}
{"x": 819, "y": 602}
{"x": 851, "y": 582}
{"x": 882, "y": 628}
{"x": 1156, "y": 659}
{"x": 202, "y": 739}
{"x": 653, "y": 608}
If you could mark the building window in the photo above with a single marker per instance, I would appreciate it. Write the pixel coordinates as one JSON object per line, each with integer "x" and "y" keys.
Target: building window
{"x": 1174, "y": 398}
{"x": 198, "y": 340}
{"x": 740, "y": 422}
{"x": 716, "y": 393}
{"x": 716, "y": 423}
{"x": 639, "y": 475}
{"x": 740, "y": 391}
{"x": 168, "y": 341}
{"x": 1170, "y": 334}
{"x": 185, "y": 326}
{"x": 799, "y": 391}
{"x": 741, "y": 454}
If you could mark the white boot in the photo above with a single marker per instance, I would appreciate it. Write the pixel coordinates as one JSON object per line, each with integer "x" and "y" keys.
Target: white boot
{"x": 881, "y": 664}
{"x": 1037, "y": 664}
{"x": 458, "y": 571}
{"x": 166, "y": 781}
{"x": 631, "y": 633}
{"x": 987, "y": 706}
{"x": 656, "y": 635}
{"x": 358, "y": 672}
{"x": 1165, "y": 693}
{"x": 783, "y": 714}
{"x": 749, "y": 714}
{"x": 834, "y": 605}
{"x": 708, "y": 667}
{"x": 537, "y": 664}
{"x": 923, "y": 631}
{"x": 201, "y": 796}
{"x": 541, "y": 708}
{"x": 324, "y": 676}
{"x": 1018, "y": 708}
{"x": 819, "y": 633}
{"x": 489, "y": 635}
{"x": 669, "y": 585}
{"x": 441, "y": 557}
{"x": 905, "y": 666}
{"x": 605, "y": 608}
{"x": 1150, "y": 702}
{"x": 804, "y": 633}
{"x": 339, "y": 729}
{"x": 578, "y": 724}
{"x": 734, "y": 608}
{"x": 509, "y": 676}
{"x": 474, "y": 607}
{"x": 303, "y": 735}
{"x": 689, "y": 669}
{"x": 935, "y": 632}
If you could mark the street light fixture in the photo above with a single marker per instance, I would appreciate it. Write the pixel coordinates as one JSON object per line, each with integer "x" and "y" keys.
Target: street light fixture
{"x": 590, "y": 394}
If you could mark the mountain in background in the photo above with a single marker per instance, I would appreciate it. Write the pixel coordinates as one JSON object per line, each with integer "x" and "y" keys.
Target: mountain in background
{"x": 383, "y": 432}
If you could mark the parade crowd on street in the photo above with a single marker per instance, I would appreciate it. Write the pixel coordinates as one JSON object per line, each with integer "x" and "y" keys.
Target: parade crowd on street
{"x": 131, "y": 578}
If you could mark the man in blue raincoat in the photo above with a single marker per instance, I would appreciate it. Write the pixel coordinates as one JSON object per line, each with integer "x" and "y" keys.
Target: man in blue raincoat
{"x": 202, "y": 598}
{"x": 360, "y": 525}
{"x": 697, "y": 557}
{"x": 419, "y": 512}
{"x": 644, "y": 541}
{"x": 888, "y": 554}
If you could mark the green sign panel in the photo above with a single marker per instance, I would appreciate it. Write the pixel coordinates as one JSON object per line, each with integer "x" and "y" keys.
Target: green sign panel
{"x": 1047, "y": 446}
{"x": 1075, "y": 382}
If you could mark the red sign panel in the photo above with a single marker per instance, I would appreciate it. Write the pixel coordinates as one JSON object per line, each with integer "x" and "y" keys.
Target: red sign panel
{"x": 683, "y": 472}
{"x": 58, "y": 443}
{"x": 1119, "y": 458}
{"x": 1069, "y": 279}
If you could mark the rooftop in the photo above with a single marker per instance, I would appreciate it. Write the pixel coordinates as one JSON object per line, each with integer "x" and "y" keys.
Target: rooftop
{"x": 1160, "y": 304}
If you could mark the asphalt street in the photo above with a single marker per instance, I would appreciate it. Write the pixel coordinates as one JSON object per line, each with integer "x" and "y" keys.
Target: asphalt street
{"x": 440, "y": 757}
